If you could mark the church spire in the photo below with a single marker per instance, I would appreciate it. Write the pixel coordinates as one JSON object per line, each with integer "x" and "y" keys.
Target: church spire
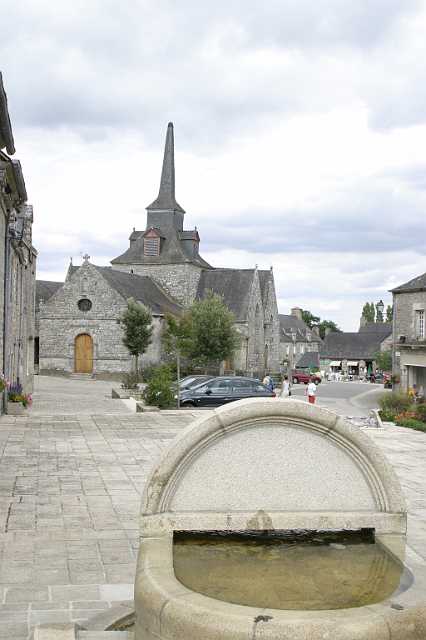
{"x": 166, "y": 200}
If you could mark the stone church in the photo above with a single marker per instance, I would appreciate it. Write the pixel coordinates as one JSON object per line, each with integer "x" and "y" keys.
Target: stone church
{"x": 78, "y": 320}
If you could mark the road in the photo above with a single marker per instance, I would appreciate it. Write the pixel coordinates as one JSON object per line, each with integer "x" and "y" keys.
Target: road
{"x": 346, "y": 398}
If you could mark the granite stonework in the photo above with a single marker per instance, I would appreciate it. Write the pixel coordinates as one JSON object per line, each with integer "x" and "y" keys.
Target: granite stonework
{"x": 409, "y": 333}
{"x": 61, "y": 322}
{"x": 241, "y": 468}
{"x": 17, "y": 263}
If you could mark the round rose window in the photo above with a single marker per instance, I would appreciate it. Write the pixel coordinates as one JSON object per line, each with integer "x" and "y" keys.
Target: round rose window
{"x": 84, "y": 304}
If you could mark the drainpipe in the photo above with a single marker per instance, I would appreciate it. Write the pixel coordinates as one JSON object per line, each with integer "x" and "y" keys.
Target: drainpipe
{"x": 6, "y": 307}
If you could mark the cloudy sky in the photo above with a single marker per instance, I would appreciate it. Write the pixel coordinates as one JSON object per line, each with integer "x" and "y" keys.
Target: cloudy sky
{"x": 300, "y": 132}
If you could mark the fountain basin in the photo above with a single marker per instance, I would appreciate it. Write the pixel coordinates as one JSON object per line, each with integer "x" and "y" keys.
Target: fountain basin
{"x": 270, "y": 465}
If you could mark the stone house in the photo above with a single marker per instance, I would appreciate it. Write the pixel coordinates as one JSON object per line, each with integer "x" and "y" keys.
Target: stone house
{"x": 409, "y": 337}
{"x": 353, "y": 353}
{"x": 17, "y": 262}
{"x": 79, "y": 322}
{"x": 296, "y": 340}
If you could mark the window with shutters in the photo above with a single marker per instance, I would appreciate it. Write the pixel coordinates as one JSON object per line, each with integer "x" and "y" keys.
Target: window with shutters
{"x": 151, "y": 246}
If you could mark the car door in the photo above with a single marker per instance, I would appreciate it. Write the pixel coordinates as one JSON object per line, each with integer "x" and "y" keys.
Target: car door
{"x": 214, "y": 393}
{"x": 221, "y": 391}
{"x": 242, "y": 388}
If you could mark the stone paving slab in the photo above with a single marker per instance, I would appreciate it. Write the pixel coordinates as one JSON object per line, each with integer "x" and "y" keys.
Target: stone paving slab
{"x": 70, "y": 490}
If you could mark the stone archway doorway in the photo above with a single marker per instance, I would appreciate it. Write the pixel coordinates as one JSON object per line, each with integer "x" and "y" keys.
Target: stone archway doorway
{"x": 83, "y": 354}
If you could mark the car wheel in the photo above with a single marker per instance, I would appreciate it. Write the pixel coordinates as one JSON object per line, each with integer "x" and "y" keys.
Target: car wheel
{"x": 187, "y": 405}
{"x": 295, "y": 381}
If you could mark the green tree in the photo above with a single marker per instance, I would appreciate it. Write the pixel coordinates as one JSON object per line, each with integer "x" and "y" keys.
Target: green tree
{"x": 158, "y": 391}
{"x": 178, "y": 341}
{"x": 383, "y": 360}
{"x": 309, "y": 318}
{"x": 369, "y": 312}
{"x": 214, "y": 338}
{"x": 328, "y": 324}
{"x": 137, "y": 326}
{"x": 389, "y": 313}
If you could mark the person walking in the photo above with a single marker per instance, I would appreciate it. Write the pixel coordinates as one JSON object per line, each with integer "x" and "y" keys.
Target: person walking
{"x": 311, "y": 391}
{"x": 285, "y": 391}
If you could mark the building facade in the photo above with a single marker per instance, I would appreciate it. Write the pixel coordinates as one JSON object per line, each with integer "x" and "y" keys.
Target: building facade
{"x": 354, "y": 353}
{"x": 409, "y": 335}
{"x": 164, "y": 258}
{"x": 17, "y": 262}
{"x": 297, "y": 340}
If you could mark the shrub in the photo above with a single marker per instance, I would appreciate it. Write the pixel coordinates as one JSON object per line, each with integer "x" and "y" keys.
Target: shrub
{"x": 387, "y": 415}
{"x": 411, "y": 423}
{"x": 131, "y": 380}
{"x": 158, "y": 391}
{"x": 421, "y": 412}
{"x": 395, "y": 402}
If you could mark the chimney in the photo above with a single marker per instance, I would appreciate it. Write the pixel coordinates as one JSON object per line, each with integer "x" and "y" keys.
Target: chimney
{"x": 297, "y": 312}
{"x": 327, "y": 331}
{"x": 362, "y": 322}
{"x": 315, "y": 330}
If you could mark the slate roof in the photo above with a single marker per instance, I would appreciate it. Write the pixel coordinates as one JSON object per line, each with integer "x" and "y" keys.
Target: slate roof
{"x": 234, "y": 285}
{"x": 141, "y": 288}
{"x": 6, "y": 134}
{"x": 173, "y": 251}
{"x": 309, "y": 360}
{"x": 45, "y": 290}
{"x": 416, "y": 284}
{"x": 289, "y": 323}
{"x": 379, "y": 328}
{"x": 351, "y": 346}
{"x": 166, "y": 196}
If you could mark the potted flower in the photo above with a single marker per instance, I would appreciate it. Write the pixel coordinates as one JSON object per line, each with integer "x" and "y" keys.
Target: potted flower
{"x": 17, "y": 401}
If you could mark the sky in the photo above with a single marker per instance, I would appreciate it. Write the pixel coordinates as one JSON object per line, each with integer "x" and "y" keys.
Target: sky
{"x": 300, "y": 135}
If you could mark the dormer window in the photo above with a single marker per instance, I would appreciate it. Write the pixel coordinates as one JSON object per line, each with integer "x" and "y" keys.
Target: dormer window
{"x": 151, "y": 243}
{"x": 151, "y": 246}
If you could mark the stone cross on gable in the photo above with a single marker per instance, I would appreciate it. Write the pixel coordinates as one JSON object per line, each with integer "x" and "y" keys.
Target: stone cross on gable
{"x": 86, "y": 257}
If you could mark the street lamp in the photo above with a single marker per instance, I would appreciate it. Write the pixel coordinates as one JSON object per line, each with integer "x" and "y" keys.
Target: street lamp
{"x": 380, "y": 307}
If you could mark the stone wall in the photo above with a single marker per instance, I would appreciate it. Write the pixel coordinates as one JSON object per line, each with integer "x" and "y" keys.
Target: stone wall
{"x": 272, "y": 327}
{"x": 61, "y": 322}
{"x": 180, "y": 281}
{"x": 406, "y": 359}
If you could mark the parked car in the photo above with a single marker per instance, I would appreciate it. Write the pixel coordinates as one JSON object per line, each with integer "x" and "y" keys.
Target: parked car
{"x": 222, "y": 390}
{"x": 192, "y": 381}
{"x": 304, "y": 377}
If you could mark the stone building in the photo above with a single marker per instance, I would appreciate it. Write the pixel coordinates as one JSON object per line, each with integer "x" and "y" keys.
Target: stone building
{"x": 164, "y": 259}
{"x": 353, "y": 353}
{"x": 297, "y": 340}
{"x": 409, "y": 337}
{"x": 17, "y": 262}
{"x": 79, "y": 329}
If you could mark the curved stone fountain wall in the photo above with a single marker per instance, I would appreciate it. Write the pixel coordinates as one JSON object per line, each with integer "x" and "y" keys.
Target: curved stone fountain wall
{"x": 253, "y": 465}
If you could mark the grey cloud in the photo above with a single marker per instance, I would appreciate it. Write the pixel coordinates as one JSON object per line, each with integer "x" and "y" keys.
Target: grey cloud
{"x": 106, "y": 65}
{"x": 366, "y": 218}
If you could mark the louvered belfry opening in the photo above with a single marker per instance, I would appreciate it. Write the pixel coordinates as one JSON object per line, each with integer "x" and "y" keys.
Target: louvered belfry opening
{"x": 151, "y": 246}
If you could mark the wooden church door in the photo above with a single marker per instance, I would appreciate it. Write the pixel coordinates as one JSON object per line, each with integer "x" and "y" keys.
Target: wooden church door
{"x": 83, "y": 354}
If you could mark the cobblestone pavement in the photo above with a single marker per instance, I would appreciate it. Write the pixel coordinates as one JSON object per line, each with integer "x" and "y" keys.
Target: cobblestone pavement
{"x": 70, "y": 489}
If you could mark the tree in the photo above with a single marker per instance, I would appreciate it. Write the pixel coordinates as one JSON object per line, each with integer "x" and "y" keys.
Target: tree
{"x": 178, "y": 341}
{"x": 137, "y": 326}
{"x": 214, "y": 338}
{"x": 309, "y": 319}
{"x": 328, "y": 324}
{"x": 369, "y": 312}
{"x": 383, "y": 360}
{"x": 389, "y": 313}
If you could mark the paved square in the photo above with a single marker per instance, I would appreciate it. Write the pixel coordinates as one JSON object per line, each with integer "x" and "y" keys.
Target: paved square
{"x": 70, "y": 489}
